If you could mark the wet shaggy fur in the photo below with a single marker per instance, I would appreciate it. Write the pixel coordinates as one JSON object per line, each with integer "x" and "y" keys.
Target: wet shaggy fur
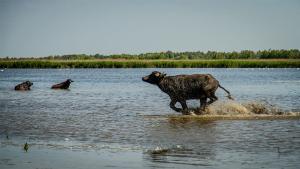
{"x": 185, "y": 87}
{"x": 24, "y": 86}
{"x": 62, "y": 85}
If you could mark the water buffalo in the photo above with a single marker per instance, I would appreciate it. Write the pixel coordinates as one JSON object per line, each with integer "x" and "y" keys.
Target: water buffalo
{"x": 185, "y": 87}
{"x": 24, "y": 86}
{"x": 63, "y": 85}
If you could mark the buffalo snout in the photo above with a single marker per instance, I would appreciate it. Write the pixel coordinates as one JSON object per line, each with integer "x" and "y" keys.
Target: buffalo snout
{"x": 145, "y": 78}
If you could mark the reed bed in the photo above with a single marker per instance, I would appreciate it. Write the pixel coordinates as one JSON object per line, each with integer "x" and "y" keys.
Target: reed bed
{"x": 123, "y": 63}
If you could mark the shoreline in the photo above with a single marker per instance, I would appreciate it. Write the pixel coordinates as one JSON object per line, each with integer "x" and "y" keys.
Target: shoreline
{"x": 151, "y": 63}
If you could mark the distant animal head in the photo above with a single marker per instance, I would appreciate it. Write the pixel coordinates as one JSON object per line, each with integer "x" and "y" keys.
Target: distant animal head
{"x": 154, "y": 78}
{"x": 28, "y": 83}
{"x": 69, "y": 81}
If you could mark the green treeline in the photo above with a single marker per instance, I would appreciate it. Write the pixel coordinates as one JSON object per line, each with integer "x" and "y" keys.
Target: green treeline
{"x": 246, "y": 58}
{"x": 98, "y": 63}
{"x": 245, "y": 54}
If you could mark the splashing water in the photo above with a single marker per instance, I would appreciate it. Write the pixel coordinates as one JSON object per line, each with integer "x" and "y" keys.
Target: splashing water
{"x": 231, "y": 107}
{"x": 160, "y": 150}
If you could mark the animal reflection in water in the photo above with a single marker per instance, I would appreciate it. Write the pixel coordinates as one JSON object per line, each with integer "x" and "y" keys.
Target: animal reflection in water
{"x": 181, "y": 88}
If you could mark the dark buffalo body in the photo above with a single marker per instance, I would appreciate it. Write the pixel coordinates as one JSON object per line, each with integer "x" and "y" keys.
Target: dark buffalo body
{"x": 24, "y": 86}
{"x": 62, "y": 85}
{"x": 185, "y": 87}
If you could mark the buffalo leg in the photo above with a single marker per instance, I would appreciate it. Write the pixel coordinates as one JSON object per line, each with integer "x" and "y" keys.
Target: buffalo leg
{"x": 203, "y": 103}
{"x": 212, "y": 98}
{"x": 184, "y": 107}
{"x": 172, "y": 106}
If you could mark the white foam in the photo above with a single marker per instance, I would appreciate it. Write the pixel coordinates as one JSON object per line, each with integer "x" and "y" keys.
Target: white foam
{"x": 249, "y": 108}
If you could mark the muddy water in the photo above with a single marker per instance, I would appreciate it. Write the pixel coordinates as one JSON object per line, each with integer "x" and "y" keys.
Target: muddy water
{"x": 103, "y": 114}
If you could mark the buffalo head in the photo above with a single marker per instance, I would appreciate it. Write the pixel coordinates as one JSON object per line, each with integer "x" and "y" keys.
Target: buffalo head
{"x": 69, "y": 81}
{"x": 154, "y": 78}
{"x": 28, "y": 83}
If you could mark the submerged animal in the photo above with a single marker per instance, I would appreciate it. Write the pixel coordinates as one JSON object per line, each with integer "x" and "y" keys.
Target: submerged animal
{"x": 181, "y": 88}
{"x": 26, "y": 147}
{"x": 24, "y": 86}
{"x": 63, "y": 85}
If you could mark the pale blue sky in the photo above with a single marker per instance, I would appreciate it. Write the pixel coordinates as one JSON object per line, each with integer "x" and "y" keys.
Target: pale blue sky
{"x": 57, "y": 27}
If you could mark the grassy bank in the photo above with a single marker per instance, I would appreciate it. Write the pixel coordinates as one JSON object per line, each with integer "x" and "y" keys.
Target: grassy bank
{"x": 123, "y": 63}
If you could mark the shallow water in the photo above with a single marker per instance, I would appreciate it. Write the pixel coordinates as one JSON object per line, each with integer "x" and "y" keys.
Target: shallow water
{"x": 104, "y": 111}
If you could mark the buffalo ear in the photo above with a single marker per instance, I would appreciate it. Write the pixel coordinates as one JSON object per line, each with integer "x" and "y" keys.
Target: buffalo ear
{"x": 157, "y": 74}
{"x": 163, "y": 74}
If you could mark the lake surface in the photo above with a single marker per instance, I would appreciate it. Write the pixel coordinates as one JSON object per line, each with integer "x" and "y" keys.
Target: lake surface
{"x": 102, "y": 121}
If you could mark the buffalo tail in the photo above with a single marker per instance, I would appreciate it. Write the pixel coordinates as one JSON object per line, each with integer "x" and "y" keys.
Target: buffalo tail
{"x": 229, "y": 95}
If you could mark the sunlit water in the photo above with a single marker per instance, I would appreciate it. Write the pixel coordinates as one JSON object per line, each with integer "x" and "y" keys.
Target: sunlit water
{"x": 106, "y": 110}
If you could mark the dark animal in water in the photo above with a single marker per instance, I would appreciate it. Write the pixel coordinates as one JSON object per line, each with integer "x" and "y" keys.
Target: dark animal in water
{"x": 185, "y": 87}
{"x": 24, "y": 86}
{"x": 26, "y": 147}
{"x": 63, "y": 85}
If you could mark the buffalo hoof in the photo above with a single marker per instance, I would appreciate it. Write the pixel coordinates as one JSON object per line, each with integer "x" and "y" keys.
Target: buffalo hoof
{"x": 200, "y": 111}
{"x": 185, "y": 112}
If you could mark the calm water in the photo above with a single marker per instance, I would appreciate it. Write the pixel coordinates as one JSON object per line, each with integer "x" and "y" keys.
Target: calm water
{"x": 102, "y": 117}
